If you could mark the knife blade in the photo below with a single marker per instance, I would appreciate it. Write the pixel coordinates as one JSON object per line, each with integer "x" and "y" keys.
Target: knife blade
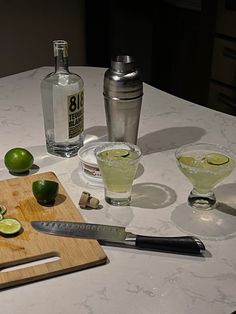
{"x": 118, "y": 236}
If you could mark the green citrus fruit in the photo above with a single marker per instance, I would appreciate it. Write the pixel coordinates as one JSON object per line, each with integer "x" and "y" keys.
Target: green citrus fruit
{"x": 45, "y": 191}
{"x": 18, "y": 160}
{"x": 217, "y": 159}
{"x": 187, "y": 161}
{"x": 9, "y": 226}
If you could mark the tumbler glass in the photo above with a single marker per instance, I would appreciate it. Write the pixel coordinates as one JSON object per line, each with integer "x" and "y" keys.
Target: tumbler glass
{"x": 118, "y": 163}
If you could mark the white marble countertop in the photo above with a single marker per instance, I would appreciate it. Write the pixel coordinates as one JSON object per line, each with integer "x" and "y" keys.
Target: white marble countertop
{"x": 133, "y": 281}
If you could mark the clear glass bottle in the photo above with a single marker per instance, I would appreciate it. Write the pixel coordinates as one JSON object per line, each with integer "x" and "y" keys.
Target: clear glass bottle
{"x": 63, "y": 106}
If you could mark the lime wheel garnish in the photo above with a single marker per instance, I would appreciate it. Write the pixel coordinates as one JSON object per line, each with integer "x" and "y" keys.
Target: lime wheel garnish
{"x": 9, "y": 226}
{"x": 217, "y": 159}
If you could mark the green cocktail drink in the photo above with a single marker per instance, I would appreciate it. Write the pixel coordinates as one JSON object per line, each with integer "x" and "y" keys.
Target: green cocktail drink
{"x": 205, "y": 170}
{"x": 118, "y": 163}
{"x": 205, "y": 165}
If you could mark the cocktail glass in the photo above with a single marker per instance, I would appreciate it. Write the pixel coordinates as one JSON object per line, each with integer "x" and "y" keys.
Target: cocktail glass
{"x": 205, "y": 165}
{"x": 118, "y": 163}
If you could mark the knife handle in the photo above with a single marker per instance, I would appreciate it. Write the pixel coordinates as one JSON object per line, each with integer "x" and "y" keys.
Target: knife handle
{"x": 184, "y": 244}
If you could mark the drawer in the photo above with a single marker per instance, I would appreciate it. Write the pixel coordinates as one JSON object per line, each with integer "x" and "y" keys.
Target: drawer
{"x": 224, "y": 61}
{"x": 226, "y": 18}
{"x": 222, "y": 99}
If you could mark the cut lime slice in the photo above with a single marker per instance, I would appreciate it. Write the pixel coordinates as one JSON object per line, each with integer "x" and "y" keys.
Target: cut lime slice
{"x": 120, "y": 153}
{"x": 1, "y": 216}
{"x": 216, "y": 159}
{"x": 9, "y": 226}
{"x": 3, "y": 209}
{"x": 114, "y": 154}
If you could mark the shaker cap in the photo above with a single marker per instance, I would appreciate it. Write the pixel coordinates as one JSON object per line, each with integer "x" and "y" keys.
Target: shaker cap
{"x": 123, "y": 80}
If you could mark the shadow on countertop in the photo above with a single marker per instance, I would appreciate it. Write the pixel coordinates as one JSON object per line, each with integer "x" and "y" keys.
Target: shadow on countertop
{"x": 157, "y": 141}
{"x": 215, "y": 224}
{"x": 152, "y": 195}
{"x": 169, "y": 138}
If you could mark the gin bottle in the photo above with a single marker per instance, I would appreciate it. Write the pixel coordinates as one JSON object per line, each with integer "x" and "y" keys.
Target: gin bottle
{"x": 63, "y": 106}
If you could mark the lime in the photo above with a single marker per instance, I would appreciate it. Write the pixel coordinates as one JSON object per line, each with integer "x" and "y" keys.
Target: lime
{"x": 216, "y": 159}
{"x": 121, "y": 153}
{"x": 187, "y": 161}
{"x": 114, "y": 154}
{"x": 9, "y": 226}
{"x": 45, "y": 191}
{"x": 18, "y": 160}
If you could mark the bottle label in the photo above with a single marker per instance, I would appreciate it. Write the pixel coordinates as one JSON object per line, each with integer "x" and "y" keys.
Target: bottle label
{"x": 75, "y": 104}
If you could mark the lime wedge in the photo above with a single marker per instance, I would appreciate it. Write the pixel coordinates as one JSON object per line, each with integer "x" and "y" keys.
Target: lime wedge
{"x": 216, "y": 159}
{"x": 3, "y": 209}
{"x": 186, "y": 160}
{"x": 1, "y": 216}
{"x": 9, "y": 226}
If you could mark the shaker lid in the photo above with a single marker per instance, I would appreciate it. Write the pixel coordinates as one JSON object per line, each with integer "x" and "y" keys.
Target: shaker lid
{"x": 123, "y": 64}
{"x": 123, "y": 80}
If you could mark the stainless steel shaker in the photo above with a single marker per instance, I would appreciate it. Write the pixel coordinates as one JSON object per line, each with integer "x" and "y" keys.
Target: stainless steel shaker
{"x": 123, "y": 91}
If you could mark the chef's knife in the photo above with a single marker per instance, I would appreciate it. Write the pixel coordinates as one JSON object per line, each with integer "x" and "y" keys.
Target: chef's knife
{"x": 117, "y": 236}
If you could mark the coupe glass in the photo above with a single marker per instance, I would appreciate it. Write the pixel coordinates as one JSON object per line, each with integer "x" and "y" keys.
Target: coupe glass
{"x": 205, "y": 165}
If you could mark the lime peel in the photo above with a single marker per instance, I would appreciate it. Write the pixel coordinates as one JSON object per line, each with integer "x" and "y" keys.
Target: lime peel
{"x": 3, "y": 209}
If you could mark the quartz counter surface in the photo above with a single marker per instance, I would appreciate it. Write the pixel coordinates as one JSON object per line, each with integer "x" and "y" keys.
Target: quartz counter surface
{"x": 133, "y": 281}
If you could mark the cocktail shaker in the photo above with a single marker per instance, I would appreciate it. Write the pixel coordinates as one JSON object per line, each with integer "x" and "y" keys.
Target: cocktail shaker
{"x": 123, "y": 91}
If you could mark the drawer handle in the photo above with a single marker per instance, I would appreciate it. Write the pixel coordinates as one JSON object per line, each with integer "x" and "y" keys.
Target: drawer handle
{"x": 229, "y": 101}
{"x": 230, "y": 53}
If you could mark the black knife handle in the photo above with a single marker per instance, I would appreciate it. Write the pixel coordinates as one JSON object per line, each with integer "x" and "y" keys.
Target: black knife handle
{"x": 184, "y": 244}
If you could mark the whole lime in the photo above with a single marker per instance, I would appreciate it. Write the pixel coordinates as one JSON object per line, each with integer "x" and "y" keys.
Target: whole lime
{"x": 18, "y": 160}
{"x": 45, "y": 191}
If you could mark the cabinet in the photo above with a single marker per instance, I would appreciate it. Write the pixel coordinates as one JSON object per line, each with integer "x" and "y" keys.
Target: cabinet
{"x": 222, "y": 89}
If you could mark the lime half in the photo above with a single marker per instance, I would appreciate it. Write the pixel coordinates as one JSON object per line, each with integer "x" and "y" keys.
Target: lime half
{"x": 9, "y": 226}
{"x": 216, "y": 159}
{"x": 45, "y": 191}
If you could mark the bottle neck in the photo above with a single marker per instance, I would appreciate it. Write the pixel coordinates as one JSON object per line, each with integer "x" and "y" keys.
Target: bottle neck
{"x": 61, "y": 56}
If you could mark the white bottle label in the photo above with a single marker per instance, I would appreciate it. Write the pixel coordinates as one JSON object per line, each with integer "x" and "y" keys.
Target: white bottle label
{"x": 75, "y": 114}
{"x": 63, "y": 110}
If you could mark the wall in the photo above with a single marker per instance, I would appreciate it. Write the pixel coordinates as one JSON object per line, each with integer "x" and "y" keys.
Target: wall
{"x": 29, "y": 27}
{"x": 171, "y": 41}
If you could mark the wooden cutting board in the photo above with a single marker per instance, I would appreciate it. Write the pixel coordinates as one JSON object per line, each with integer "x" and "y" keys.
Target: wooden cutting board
{"x": 30, "y": 246}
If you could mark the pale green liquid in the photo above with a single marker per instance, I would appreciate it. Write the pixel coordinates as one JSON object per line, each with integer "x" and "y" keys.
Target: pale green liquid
{"x": 118, "y": 168}
{"x": 204, "y": 175}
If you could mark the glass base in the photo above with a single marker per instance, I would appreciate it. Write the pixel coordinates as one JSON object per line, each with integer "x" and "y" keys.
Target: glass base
{"x": 117, "y": 198}
{"x": 118, "y": 201}
{"x": 202, "y": 201}
{"x": 63, "y": 151}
